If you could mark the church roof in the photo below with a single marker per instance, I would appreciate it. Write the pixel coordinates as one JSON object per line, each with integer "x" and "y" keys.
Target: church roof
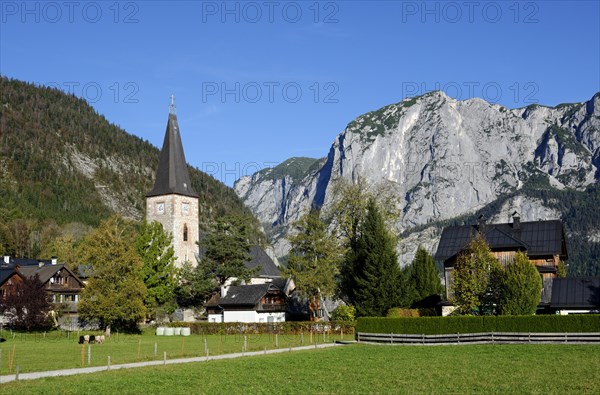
{"x": 172, "y": 176}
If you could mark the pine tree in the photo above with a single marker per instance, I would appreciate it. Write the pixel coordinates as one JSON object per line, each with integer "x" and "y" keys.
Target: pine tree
{"x": 424, "y": 277}
{"x": 227, "y": 249}
{"x": 313, "y": 261}
{"x": 195, "y": 285}
{"x": 155, "y": 248}
{"x": 374, "y": 261}
{"x": 521, "y": 287}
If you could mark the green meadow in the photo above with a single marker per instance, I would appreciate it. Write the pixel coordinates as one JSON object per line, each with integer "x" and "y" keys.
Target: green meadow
{"x": 381, "y": 369}
{"x": 34, "y": 352}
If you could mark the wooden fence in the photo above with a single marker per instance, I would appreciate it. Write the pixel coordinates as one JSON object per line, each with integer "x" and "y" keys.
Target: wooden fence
{"x": 480, "y": 338}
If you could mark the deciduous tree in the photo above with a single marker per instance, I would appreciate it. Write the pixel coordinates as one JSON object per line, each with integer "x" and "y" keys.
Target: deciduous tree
{"x": 114, "y": 295}
{"x": 475, "y": 278}
{"x": 314, "y": 261}
{"x": 27, "y": 306}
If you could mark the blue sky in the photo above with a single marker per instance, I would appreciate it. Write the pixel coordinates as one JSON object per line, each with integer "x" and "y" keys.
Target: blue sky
{"x": 258, "y": 82}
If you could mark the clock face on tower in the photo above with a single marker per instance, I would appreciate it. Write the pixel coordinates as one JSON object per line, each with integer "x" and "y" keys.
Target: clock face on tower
{"x": 185, "y": 208}
{"x": 160, "y": 207}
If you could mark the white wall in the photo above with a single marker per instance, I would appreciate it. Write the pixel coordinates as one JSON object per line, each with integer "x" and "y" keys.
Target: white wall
{"x": 246, "y": 316}
{"x": 215, "y": 318}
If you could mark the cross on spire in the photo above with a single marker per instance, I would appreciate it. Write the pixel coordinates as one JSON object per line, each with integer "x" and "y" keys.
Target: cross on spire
{"x": 172, "y": 105}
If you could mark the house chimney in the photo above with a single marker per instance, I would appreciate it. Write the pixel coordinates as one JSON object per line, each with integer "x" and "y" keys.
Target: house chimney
{"x": 7, "y": 259}
{"x": 54, "y": 260}
{"x": 516, "y": 220}
{"x": 481, "y": 222}
{"x": 224, "y": 290}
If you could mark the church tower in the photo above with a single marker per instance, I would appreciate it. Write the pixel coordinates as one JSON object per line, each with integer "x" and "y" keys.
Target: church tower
{"x": 172, "y": 201}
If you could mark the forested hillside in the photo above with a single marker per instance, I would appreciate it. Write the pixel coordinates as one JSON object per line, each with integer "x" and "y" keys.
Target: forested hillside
{"x": 63, "y": 165}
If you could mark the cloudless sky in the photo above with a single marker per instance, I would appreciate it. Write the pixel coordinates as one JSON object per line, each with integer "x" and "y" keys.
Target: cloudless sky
{"x": 258, "y": 82}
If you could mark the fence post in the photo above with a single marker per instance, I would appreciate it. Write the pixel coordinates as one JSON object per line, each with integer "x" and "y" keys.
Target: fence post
{"x": 458, "y": 337}
{"x": 17, "y": 373}
{"x": 276, "y": 341}
{"x": 529, "y": 338}
{"x": 89, "y": 354}
{"x": 566, "y": 337}
{"x": 164, "y": 358}
{"x": 302, "y": 338}
{"x": 422, "y": 338}
{"x": 492, "y": 337}
{"x": 205, "y": 346}
{"x": 108, "y": 365}
{"x": 391, "y": 339}
{"x": 155, "y": 348}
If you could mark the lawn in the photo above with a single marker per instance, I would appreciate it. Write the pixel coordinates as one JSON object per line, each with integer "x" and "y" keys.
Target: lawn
{"x": 538, "y": 369}
{"x": 34, "y": 352}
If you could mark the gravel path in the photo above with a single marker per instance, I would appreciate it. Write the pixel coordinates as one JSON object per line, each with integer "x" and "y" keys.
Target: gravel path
{"x": 69, "y": 372}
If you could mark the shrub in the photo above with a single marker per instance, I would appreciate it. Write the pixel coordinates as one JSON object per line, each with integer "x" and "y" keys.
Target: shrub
{"x": 344, "y": 312}
{"x": 478, "y": 324}
{"x": 398, "y": 312}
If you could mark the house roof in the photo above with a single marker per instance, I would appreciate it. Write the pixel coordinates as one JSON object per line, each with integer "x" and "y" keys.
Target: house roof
{"x": 44, "y": 273}
{"x": 258, "y": 257}
{"x": 537, "y": 238}
{"x": 172, "y": 176}
{"x": 245, "y": 295}
{"x": 7, "y": 273}
{"x": 576, "y": 292}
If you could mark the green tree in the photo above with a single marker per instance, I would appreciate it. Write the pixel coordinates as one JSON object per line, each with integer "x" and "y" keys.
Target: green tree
{"x": 114, "y": 295}
{"x": 64, "y": 248}
{"x": 424, "y": 276}
{"x": 521, "y": 287}
{"x": 344, "y": 312}
{"x": 227, "y": 249}
{"x": 561, "y": 270}
{"x": 155, "y": 248}
{"x": 195, "y": 285}
{"x": 374, "y": 265}
{"x": 475, "y": 277}
{"x": 313, "y": 261}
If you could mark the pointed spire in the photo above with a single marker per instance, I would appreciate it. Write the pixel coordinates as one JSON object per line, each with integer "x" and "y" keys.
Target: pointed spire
{"x": 172, "y": 176}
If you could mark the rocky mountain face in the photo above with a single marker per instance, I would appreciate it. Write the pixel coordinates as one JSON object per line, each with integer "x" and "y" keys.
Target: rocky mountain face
{"x": 446, "y": 160}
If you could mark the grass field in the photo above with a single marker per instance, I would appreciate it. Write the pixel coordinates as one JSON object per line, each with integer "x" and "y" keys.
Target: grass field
{"x": 38, "y": 352}
{"x": 502, "y": 369}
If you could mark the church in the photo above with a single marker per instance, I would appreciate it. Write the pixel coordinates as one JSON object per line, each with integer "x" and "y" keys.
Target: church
{"x": 175, "y": 205}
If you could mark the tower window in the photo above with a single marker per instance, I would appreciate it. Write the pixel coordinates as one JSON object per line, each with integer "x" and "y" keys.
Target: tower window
{"x": 185, "y": 233}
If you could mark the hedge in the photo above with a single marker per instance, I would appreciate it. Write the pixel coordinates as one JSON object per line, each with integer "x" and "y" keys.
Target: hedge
{"x": 480, "y": 324}
{"x": 288, "y": 328}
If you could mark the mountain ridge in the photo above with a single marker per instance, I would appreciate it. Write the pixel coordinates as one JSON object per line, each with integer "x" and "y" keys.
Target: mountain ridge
{"x": 62, "y": 161}
{"x": 447, "y": 159}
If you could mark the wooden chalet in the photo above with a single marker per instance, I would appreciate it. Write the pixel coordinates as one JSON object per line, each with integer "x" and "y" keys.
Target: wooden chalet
{"x": 544, "y": 243}
{"x": 249, "y": 303}
{"x": 57, "y": 280}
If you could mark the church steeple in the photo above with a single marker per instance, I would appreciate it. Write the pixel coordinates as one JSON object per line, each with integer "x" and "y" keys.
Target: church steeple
{"x": 172, "y": 202}
{"x": 172, "y": 175}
